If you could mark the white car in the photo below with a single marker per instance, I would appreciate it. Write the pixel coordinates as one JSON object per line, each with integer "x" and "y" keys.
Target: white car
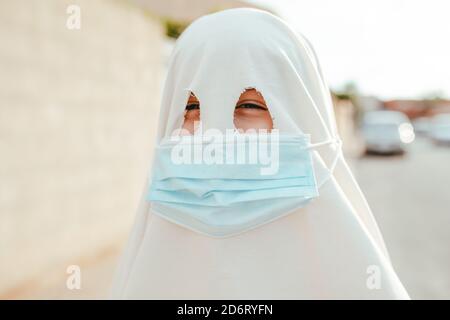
{"x": 440, "y": 128}
{"x": 386, "y": 132}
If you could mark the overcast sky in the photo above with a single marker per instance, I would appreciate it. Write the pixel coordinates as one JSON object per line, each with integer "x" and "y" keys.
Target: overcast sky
{"x": 389, "y": 48}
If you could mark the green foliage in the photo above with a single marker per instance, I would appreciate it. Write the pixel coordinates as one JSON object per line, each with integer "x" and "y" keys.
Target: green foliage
{"x": 173, "y": 28}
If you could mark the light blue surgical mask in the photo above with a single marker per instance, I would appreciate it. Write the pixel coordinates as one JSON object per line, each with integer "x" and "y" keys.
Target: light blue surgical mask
{"x": 225, "y": 187}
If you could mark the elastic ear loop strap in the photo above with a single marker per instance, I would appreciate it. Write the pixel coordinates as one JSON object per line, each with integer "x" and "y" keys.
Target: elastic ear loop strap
{"x": 337, "y": 142}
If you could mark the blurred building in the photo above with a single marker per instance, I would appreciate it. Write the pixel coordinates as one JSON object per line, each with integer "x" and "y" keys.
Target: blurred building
{"x": 187, "y": 11}
{"x": 78, "y": 110}
{"x": 419, "y": 108}
{"x": 369, "y": 103}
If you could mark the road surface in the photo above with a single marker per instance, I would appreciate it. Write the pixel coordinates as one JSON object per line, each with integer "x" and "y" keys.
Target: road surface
{"x": 410, "y": 198}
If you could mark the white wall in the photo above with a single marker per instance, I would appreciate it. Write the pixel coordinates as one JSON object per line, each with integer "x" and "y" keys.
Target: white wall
{"x": 78, "y": 111}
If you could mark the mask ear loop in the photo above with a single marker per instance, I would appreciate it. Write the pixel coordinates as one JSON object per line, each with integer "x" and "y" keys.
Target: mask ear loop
{"x": 334, "y": 141}
{"x": 338, "y": 144}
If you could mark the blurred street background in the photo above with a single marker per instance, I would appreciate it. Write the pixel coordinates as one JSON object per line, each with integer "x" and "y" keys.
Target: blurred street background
{"x": 80, "y": 86}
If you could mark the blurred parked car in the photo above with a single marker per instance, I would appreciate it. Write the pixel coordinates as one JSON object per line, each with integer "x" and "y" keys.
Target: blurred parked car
{"x": 440, "y": 129}
{"x": 386, "y": 132}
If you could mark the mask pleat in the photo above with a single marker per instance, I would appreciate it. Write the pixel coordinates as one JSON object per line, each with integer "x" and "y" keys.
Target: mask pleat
{"x": 202, "y": 195}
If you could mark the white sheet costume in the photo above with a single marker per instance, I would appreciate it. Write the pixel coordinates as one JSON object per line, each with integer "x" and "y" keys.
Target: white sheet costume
{"x": 329, "y": 249}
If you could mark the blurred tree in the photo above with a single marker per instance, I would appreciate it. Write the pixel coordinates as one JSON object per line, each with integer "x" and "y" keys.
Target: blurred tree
{"x": 350, "y": 92}
{"x": 173, "y": 28}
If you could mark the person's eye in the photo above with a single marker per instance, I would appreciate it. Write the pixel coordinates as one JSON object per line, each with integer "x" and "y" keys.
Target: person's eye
{"x": 250, "y": 106}
{"x": 192, "y": 106}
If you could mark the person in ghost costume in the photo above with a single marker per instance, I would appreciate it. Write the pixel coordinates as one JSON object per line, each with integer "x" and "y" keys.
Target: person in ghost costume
{"x": 225, "y": 231}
